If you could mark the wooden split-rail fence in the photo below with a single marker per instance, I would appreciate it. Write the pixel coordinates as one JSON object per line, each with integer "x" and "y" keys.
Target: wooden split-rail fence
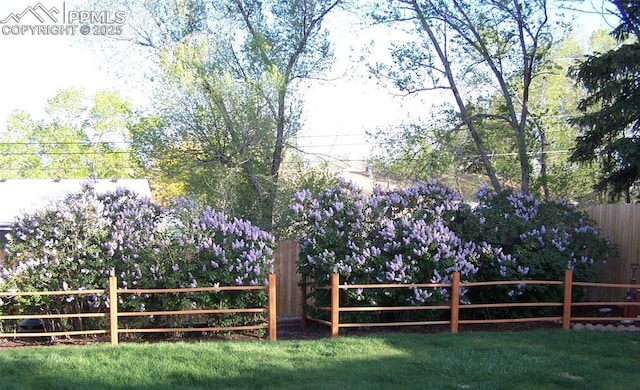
{"x": 632, "y": 309}
{"x": 114, "y": 314}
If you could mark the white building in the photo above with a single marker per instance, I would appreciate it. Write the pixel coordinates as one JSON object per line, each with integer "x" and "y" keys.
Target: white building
{"x": 18, "y": 196}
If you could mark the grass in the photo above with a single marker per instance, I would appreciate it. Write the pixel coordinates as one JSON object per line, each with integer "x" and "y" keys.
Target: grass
{"x": 549, "y": 359}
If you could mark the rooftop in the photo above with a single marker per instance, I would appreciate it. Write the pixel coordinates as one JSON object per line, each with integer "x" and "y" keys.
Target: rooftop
{"x": 18, "y": 196}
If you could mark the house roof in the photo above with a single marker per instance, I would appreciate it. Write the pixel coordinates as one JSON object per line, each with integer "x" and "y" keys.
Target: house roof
{"x": 365, "y": 178}
{"x": 18, "y": 196}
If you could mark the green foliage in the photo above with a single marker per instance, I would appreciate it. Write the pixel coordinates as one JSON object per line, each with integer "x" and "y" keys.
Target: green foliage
{"x": 80, "y": 136}
{"x": 219, "y": 151}
{"x": 296, "y": 174}
{"x": 77, "y": 243}
{"x": 609, "y": 123}
{"x": 539, "y": 240}
{"x": 436, "y": 148}
{"x": 424, "y": 233}
{"x": 18, "y": 156}
{"x": 475, "y": 49}
{"x": 417, "y": 152}
{"x": 228, "y": 100}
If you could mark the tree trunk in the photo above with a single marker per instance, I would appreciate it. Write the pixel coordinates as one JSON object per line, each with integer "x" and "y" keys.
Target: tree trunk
{"x": 466, "y": 117}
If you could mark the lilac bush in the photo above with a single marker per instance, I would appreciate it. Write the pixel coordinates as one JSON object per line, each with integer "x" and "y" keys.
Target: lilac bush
{"x": 77, "y": 243}
{"x": 542, "y": 238}
{"x": 57, "y": 248}
{"x": 200, "y": 247}
{"x": 398, "y": 236}
{"x": 125, "y": 247}
{"x": 424, "y": 233}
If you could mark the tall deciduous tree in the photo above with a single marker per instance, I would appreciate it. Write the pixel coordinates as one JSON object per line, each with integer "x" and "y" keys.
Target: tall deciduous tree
{"x": 420, "y": 152}
{"x": 78, "y": 137}
{"x": 423, "y": 151}
{"x": 473, "y": 49}
{"x": 610, "y": 123}
{"x": 233, "y": 67}
{"x": 553, "y": 99}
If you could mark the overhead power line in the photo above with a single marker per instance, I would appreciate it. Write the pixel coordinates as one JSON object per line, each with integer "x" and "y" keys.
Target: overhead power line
{"x": 80, "y": 153}
{"x": 331, "y": 135}
{"x": 54, "y": 143}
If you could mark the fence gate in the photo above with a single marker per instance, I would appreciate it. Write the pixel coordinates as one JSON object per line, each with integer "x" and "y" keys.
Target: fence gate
{"x": 289, "y": 302}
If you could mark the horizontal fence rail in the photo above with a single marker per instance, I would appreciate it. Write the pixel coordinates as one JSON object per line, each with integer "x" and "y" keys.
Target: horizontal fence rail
{"x": 632, "y": 308}
{"x": 50, "y": 332}
{"x": 114, "y": 313}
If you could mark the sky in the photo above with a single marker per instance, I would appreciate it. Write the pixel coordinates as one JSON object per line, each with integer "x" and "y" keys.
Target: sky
{"x": 33, "y": 68}
{"x": 337, "y": 111}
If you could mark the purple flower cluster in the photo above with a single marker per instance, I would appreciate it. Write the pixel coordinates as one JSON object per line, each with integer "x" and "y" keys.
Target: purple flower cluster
{"x": 524, "y": 206}
{"x": 398, "y": 236}
{"x": 214, "y": 248}
{"x": 534, "y": 240}
{"x": 79, "y": 242}
{"x": 59, "y": 245}
{"x": 424, "y": 233}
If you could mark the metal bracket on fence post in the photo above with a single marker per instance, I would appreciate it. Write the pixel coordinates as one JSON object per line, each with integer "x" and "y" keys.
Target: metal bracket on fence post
{"x": 273, "y": 314}
{"x": 113, "y": 309}
{"x": 566, "y": 304}
{"x": 455, "y": 301}
{"x": 335, "y": 305}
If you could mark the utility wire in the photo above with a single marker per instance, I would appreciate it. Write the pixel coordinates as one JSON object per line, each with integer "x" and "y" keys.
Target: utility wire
{"x": 300, "y": 149}
{"x": 46, "y": 153}
{"x": 54, "y": 143}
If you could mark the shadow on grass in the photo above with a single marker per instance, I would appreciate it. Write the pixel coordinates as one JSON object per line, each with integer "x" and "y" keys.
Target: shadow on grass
{"x": 359, "y": 373}
{"x": 530, "y": 360}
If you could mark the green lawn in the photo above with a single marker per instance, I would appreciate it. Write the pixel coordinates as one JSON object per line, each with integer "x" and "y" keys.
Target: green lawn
{"x": 551, "y": 359}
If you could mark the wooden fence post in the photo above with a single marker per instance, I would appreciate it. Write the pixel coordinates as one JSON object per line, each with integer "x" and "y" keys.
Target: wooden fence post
{"x": 566, "y": 305}
{"x": 455, "y": 301}
{"x": 113, "y": 309}
{"x": 303, "y": 314}
{"x": 335, "y": 305}
{"x": 273, "y": 314}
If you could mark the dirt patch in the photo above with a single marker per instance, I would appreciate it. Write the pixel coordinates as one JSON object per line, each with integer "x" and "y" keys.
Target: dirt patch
{"x": 292, "y": 331}
{"x": 315, "y": 331}
{"x": 44, "y": 341}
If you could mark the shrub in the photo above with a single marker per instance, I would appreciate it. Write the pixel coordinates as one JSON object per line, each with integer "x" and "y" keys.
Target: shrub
{"x": 540, "y": 239}
{"x": 77, "y": 243}
{"x": 58, "y": 248}
{"x": 199, "y": 247}
{"x": 399, "y": 236}
{"x": 424, "y": 233}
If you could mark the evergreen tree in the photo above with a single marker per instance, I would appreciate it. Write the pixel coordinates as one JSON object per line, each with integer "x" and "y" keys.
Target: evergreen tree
{"x": 610, "y": 123}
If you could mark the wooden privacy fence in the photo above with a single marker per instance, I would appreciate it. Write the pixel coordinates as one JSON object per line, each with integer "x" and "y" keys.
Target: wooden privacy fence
{"x": 631, "y": 312}
{"x": 620, "y": 223}
{"x": 289, "y": 292}
{"x": 114, "y": 314}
